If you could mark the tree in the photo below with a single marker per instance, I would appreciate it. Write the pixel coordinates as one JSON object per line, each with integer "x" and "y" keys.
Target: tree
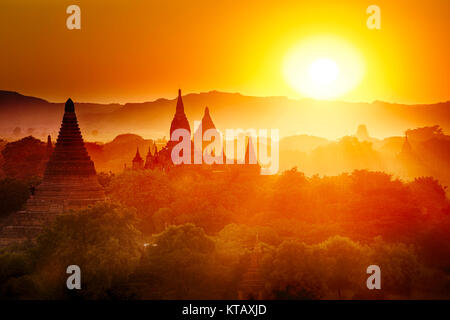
{"x": 104, "y": 178}
{"x": 399, "y": 266}
{"x": 102, "y": 240}
{"x": 425, "y": 133}
{"x": 293, "y": 271}
{"x": 290, "y": 192}
{"x": 185, "y": 265}
{"x": 430, "y": 193}
{"x": 13, "y": 194}
{"x": 25, "y": 158}
{"x": 345, "y": 262}
{"x": 15, "y": 280}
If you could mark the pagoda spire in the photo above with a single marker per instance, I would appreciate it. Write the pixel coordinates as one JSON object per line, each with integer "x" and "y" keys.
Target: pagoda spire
{"x": 69, "y": 107}
{"x": 137, "y": 157}
{"x": 138, "y": 162}
{"x": 49, "y": 148}
{"x": 149, "y": 160}
{"x": 180, "y": 120}
{"x": 406, "y": 149}
{"x": 180, "y": 105}
{"x": 205, "y": 125}
{"x": 207, "y": 122}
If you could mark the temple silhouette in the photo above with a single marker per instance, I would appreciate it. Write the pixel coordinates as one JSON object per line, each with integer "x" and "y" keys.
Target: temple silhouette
{"x": 410, "y": 163}
{"x": 161, "y": 159}
{"x": 70, "y": 182}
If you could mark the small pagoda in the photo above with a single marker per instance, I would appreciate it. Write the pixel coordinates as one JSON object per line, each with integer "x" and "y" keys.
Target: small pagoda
{"x": 138, "y": 162}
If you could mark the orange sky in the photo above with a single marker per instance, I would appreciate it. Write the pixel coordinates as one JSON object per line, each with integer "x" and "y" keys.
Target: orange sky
{"x": 142, "y": 49}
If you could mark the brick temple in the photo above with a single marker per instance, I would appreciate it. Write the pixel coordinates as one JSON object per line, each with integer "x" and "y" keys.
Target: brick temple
{"x": 70, "y": 182}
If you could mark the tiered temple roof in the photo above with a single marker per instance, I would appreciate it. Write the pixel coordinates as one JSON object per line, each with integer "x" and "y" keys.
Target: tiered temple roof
{"x": 70, "y": 157}
{"x": 70, "y": 182}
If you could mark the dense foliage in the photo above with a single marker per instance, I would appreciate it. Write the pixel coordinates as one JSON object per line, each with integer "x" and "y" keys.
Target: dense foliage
{"x": 190, "y": 233}
{"x": 24, "y": 158}
{"x": 101, "y": 240}
{"x": 14, "y": 193}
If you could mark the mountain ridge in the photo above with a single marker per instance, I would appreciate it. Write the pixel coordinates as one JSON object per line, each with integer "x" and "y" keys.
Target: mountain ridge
{"x": 228, "y": 110}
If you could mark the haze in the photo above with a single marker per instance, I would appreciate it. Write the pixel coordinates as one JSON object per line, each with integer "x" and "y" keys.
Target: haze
{"x": 144, "y": 50}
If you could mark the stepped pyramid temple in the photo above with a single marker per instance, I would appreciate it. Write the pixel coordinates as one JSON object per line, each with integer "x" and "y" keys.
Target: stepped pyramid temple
{"x": 70, "y": 182}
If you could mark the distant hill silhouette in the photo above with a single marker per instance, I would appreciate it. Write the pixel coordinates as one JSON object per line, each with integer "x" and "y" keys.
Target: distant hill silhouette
{"x": 303, "y": 143}
{"x": 228, "y": 110}
{"x": 17, "y": 110}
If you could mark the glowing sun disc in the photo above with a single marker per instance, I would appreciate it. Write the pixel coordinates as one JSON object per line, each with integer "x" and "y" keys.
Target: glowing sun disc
{"x": 323, "y": 71}
{"x": 323, "y": 68}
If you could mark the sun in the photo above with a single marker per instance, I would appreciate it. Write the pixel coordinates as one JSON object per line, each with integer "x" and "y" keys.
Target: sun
{"x": 323, "y": 68}
{"x": 323, "y": 71}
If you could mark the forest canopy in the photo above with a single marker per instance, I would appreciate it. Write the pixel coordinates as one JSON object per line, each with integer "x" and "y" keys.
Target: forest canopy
{"x": 190, "y": 234}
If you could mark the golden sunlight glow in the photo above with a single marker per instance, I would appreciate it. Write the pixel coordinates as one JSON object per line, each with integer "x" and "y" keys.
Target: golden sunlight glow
{"x": 323, "y": 68}
{"x": 323, "y": 71}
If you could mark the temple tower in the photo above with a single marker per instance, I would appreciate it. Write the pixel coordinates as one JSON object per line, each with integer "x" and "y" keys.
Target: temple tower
{"x": 151, "y": 157}
{"x": 406, "y": 148}
{"x": 207, "y": 122}
{"x": 410, "y": 162}
{"x": 205, "y": 125}
{"x": 70, "y": 180}
{"x": 180, "y": 120}
{"x": 138, "y": 162}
